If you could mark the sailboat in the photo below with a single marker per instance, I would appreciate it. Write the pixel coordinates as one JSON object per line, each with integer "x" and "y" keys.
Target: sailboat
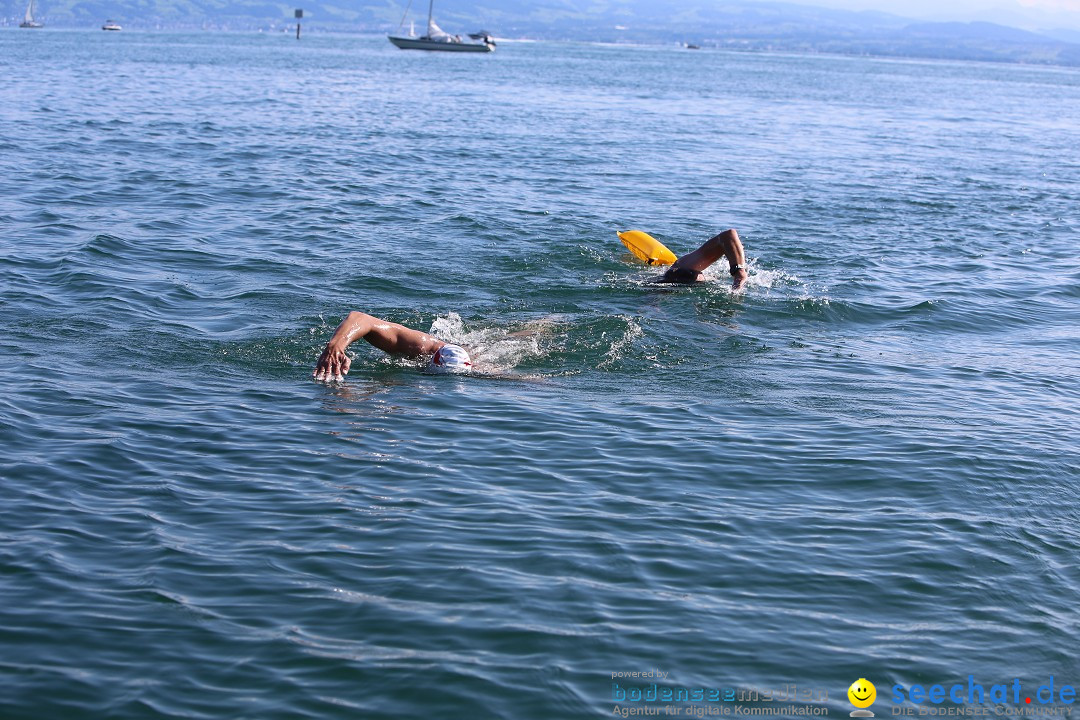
{"x": 438, "y": 39}
{"x": 28, "y": 21}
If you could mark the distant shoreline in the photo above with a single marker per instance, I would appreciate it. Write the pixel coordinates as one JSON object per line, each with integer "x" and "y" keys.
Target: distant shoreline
{"x": 762, "y": 47}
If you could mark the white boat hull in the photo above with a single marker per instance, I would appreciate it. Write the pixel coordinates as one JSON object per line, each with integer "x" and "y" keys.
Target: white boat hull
{"x": 412, "y": 43}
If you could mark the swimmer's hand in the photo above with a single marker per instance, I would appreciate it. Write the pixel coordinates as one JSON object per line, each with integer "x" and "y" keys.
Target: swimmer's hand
{"x": 333, "y": 364}
{"x": 738, "y": 279}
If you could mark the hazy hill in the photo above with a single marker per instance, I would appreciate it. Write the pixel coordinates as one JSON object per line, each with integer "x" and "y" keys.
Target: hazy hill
{"x": 709, "y": 23}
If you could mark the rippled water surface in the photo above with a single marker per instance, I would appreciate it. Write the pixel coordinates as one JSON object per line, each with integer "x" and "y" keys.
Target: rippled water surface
{"x": 865, "y": 465}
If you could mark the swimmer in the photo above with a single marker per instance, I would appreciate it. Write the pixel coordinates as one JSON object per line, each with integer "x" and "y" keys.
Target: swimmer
{"x": 688, "y": 268}
{"x": 391, "y": 338}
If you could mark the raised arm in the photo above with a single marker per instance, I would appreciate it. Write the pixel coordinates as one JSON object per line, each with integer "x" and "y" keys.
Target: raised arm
{"x": 726, "y": 244}
{"x": 387, "y": 336}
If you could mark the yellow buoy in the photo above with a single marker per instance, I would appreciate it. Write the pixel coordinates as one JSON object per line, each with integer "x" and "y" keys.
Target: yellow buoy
{"x": 646, "y": 247}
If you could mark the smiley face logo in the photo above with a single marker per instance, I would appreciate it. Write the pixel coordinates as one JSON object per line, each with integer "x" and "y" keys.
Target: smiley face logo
{"x": 862, "y": 693}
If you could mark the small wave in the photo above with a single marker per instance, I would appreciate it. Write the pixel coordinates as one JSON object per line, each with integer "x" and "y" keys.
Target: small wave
{"x": 108, "y": 245}
{"x": 631, "y": 332}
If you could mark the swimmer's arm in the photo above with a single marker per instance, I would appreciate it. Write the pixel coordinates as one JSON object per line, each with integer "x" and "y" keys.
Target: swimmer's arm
{"x": 736, "y": 257}
{"x": 387, "y": 336}
{"x": 726, "y": 244}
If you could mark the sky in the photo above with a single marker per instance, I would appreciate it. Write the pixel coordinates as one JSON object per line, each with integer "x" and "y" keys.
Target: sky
{"x": 1029, "y": 14}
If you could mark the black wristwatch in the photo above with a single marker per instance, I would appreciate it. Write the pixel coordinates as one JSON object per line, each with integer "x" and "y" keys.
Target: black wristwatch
{"x": 737, "y": 268}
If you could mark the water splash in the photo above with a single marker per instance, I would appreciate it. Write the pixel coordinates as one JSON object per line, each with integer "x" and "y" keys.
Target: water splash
{"x": 494, "y": 350}
{"x": 619, "y": 345}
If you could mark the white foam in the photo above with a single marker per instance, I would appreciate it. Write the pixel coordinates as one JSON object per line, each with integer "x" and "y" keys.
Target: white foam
{"x": 493, "y": 350}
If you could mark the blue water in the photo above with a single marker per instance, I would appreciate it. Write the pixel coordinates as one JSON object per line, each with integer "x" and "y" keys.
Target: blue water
{"x": 865, "y": 465}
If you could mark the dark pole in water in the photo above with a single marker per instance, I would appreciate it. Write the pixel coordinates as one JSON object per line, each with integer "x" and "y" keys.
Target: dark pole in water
{"x": 298, "y": 14}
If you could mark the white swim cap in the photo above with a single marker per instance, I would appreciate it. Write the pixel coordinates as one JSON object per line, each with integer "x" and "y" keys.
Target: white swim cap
{"x": 450, "y": 359}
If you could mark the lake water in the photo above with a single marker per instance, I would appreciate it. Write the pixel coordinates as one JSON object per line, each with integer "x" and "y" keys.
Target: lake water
{"x": 863, "y": 466}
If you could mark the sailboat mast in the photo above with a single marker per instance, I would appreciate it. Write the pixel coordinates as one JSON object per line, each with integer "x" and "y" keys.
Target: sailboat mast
{"x": 430, "y": 7}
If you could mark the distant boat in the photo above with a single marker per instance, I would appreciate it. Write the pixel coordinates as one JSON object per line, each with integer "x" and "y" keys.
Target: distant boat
{"x": 28, "y": 21}
{"x": 692, "y": 47}
{"x": 438, "y": 39}
{"x": 110, "y": 25}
